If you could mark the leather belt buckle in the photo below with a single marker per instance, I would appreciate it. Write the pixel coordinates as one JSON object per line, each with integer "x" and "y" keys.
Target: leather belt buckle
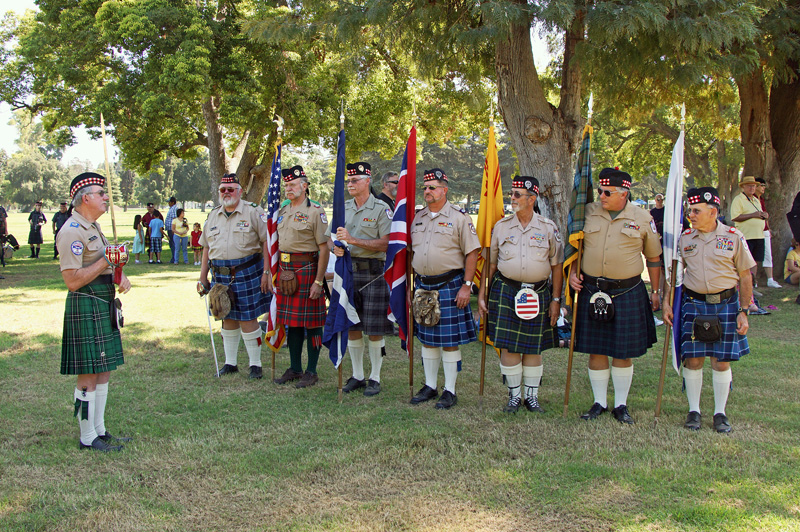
{"x": 286, "y": 257}
{"x": 604, "y": 284}
{"x": 532, "y": 286}
{"x": 714, "y": 299}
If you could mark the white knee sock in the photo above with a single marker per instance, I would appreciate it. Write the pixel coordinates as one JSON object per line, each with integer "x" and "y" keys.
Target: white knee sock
{"x": 100, "y": 398}
{"x": 252, "y": 342}
{"x": 356, "y": 350}
{"x": 88, "y": 433}
{"x": 376, "y": 359}
{"x": 599, "y": 380}
{"x": 230, "y": 344}
{"x": 722, "y": 387}
{"x": 430, "y": 360}
{"x": 693, "y": 380}
{"x": 622, "y": 378}
{"x": 532, "y": 375}
{"x": 450, "y": 360}
{"x": 513, "y": 375}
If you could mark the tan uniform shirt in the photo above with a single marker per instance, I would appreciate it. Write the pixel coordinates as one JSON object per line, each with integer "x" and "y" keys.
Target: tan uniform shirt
{"x": 236, "y": 236}
{"x": 301, "y": 229}
{"x": 526, "y": 254}
{"x": 440, "y": 243}
{"x": 371, "y": 221}
{"x": 753, "y": 228}
{"x": 713, "y": 260}
{"x": 80, "y": 243}
{"x": 613, "y": 248}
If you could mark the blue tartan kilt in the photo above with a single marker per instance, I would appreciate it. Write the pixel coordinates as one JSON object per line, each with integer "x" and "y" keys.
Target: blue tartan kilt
{"x": 629, "y": 335}
{"x": 250, "y": 301}
{"x": 456, "y": 326}
{"x": 506, "y": 330}
{"x": 731, "y": 345}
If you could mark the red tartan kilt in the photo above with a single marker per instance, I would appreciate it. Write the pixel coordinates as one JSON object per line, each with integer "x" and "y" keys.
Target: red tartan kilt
{"x": 298, "y": 310}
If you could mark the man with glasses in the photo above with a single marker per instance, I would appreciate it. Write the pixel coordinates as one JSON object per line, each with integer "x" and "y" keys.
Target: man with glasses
{"x": 389, "y": 191}
{"x": 234, "y": 239}
{"x": 715, "y": 259}
{"x": 445, "y": 249}
{"x": 615, "y": 315}
{"x": 368, "y": 222}
{"x": 526, "y": 250}
{"x": 90, "y": 346}
{"x": 303, "y": 260}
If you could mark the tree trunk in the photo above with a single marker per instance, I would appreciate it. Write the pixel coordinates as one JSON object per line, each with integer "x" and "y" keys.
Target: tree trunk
{"x": 726, "y": 177}
{"x": 216, "y": 145}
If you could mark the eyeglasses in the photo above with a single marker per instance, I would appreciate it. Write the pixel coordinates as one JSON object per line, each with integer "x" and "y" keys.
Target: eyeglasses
{"x": 393, "y": 182}
{"x": 355, "y": 180}
{"x": 516, "y": 195}
{"x": 101, "y": 192}
{"x": 229, "y": 190}
{"x": 431, "y": 187}
{"x": 695, "y": 211}
{"x": 606, "y": 193}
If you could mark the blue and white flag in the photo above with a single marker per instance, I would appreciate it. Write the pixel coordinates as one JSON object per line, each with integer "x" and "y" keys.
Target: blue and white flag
{"x": 341, "y": 313}
{"x": 673, "y": 225}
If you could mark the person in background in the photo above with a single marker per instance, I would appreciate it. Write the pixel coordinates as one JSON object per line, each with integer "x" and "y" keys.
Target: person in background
{"x": 148, "y": 216}
{"x": 138, "y": 237}
{"x": 180, "y": 234}
{"x": 58, "y": 221}
{"x": 761, "y": 187}
{"x": 37, "y": 219}
{"x": 196, "y": 247}
{"x": 792, "y": 267}
{"x": 156, "y": 234}
{"x": 171, "y": 214}
{"x": 389, "y": 191}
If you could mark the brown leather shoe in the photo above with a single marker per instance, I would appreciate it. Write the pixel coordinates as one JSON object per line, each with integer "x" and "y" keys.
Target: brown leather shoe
{"x": 288, "y": 376}
{"x": 309, "y": 379}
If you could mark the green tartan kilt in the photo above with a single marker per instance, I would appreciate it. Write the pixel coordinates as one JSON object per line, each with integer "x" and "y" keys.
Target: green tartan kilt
{"x": 508, "y": 331}
{"x": 90, "y": 344}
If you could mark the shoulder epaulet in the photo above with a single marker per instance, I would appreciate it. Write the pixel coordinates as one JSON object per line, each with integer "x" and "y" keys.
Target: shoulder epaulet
{"x": 687, "y": 231}
{"x": 315, "y": 204}
{"x": 285, "y": 202}
{"x": 253, "y": 204}
{"x": 215, "y": 208}
{"x": 731, "y": 229}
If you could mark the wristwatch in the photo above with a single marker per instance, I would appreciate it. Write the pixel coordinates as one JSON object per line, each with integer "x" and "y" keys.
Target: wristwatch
{"x": 745, "y": 310}
{"x": 469, "y": 283}
{"x": 317, "y": 282}
{"x": 557, "y": 299}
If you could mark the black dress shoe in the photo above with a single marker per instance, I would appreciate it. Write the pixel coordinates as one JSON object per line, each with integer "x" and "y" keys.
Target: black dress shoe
{"x": 447, "y": 400}
{"x": 99, "y": 445}
{"x": 110, "y": 438}
{"x": 532, "y": 404}
{"x": 621, "y": 414}
{"x": 353, "y": 384}
{"x": 512, "y": 406}
{"x": 288, "y": 376}
{"x": 373, "y": 388}
{"x": 255, "y": 372}
{"x": 227, "y": 368}
{"x": 594, "y": 412}
{"x": 426, "y": 393}
{"x": 721, "y": 423}
{"x": 693, "y": 421}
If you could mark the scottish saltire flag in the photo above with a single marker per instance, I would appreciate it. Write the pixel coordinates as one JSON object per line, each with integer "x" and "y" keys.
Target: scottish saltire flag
{"x": 400, "y": 238}
{"x": 581, "y": 195}
{"x": 673, "y": 225}
{"x": 341, "y": 313}
{"x": 491, "y": 206}
{"x": 275, "y": 331}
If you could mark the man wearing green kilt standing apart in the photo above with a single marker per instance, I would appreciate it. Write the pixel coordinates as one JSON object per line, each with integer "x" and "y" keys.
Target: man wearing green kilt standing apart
{"x": 713, "y": 314}
{"x": 303, "y": 260}
{"x": 445, "y": 249}
{"x": 368, "y": 222}
{"x": 522, "y": 311}
{"x": 615, "y": 315}
{"x": 91, "y": 346}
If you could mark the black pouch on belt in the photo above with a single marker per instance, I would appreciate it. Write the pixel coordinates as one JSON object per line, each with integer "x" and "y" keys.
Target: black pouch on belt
{"x": 706, "y": 329}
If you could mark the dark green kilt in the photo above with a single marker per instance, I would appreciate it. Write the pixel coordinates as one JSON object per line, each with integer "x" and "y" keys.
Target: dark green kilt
{"x": 90, "y": 344}
{"x": 508, "y": 331}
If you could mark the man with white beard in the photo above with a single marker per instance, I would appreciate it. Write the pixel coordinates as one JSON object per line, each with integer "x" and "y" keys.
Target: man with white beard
{"x": 234, "y": 244}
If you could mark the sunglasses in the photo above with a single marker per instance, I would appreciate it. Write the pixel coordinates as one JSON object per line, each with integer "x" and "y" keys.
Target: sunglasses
{"x": 393, "y": 182}
{"x": 606, "y": 193}
{"x": 431, "y": 187}
{"x": 354, "y": 181}
{"x": 517, "y": 195}
{"x": 229, "y": 190}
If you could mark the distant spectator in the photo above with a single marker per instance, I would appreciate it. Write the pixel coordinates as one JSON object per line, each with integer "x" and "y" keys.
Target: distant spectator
{"x": 657, "y": 213}
{"x": 792, "y": 269}
{"x": 761, "y": 187}
{"x": 389, "y": 191}
{"x": 37, "y": 219}
{"x": 3, "y": 224}
{"x": 58, "y": 221}
{"x": 172, "y": 213}
{"x": 746, "y": 213}
{"x": 138, "y": 237}
{"x": 146, "y": 223}
{"x": 180, "y": 235}
{"x": 156, "y": 234}
{"x": 196, "y": 247}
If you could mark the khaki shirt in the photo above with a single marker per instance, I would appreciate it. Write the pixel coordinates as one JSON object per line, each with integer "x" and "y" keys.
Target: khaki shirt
{"x": 613, "y": 248}
{"x": 301, "y": 229}
{"x": 371, "y": 221}
{"x": 526, "y": 254}
{"x": 441, "y": 243}
{"x": 753, "y": 228}
{"x": 237, "y": 236}
{"x": 712, "y": 261}
{"x": 80, "y": 243}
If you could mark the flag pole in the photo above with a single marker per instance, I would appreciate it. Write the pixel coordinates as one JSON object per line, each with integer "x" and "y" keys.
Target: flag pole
{"x": 108, "y": 180}
{"x": 484, "y": 325}
{"x": 341, "y": 394}
{"x": 279, "y": 126}
{"x": 410, "y": 279}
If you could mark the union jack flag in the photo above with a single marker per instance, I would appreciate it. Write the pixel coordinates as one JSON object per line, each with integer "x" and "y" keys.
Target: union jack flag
{"x": 275, "y": 331}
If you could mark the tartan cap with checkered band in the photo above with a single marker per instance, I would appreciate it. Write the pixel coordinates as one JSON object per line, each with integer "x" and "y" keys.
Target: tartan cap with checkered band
{"x": 359, "y": 169}
{"x": 614, "y": 177}
{"x": 703, "y": 195}
{"x": 295, "y": 172}
{"x": 531, "y": 184}
{"x": 435, "y": 173}
{"x": 86, "y": 179}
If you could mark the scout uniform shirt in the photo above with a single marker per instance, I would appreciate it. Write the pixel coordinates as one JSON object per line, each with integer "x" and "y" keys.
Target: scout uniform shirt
{"x": 753, "y": 229}
{"x": 236, "y": 236}
{"x": 301, "y": 229}
{"x": 81, "y": 243}
{"x": 613, "y": 248}
{"x": 713, "y": 260}
{"x": 441, "y": 242}
{"x": 525, "y": 254}
{"x": 371, "y": 221}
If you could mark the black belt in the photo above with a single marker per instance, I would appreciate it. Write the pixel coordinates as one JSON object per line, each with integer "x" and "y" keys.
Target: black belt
{"x": 711, "y": 298}
{"x": 517, "y": 285}
{"x": 360, "y": 263}
{"x": 102, "y": 279}
{"x": 441, "y": 278}
{"x": 231, "y": 270}
{"x": 299, "y": 257}
{"x": 611, "y": 284}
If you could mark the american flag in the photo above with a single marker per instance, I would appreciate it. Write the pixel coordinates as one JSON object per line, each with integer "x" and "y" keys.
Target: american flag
{"x": 275, "y": 331}
{"x": 527, "y": 306}
{"x": 400, "y": 238}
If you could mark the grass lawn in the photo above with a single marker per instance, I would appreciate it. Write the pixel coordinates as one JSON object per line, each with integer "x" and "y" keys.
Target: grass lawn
{"x": 231, "y": 454}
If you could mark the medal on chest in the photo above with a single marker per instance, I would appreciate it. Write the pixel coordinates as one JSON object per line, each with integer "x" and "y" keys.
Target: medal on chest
{"x": 526, "y": 304}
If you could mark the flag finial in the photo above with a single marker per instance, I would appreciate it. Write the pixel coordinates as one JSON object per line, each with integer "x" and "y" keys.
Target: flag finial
{"x": 341, "y": 116}
{"x": 279, "y": 123}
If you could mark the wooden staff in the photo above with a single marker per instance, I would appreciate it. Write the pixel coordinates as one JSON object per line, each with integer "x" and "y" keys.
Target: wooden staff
{"x": 339, "y": 372}
{"x": 484, "y": 279}
{"x": 576, "y": 264}
{"x": 410, "y": 320}
{"x": 669, "y": 298}
{"x": 279, "y": 126}
{"x": 108, "y": 180}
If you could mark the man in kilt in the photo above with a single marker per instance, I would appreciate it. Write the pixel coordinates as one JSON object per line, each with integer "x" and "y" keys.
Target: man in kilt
{"x": 615, "y": 315}
{"x": 445, "y": 249}
{"x": 37, "y": 219}
{"x": 91, "y": 346}
{"x": 368, "y": 222}
{"x": 234, "y": 244}
{"x": 715, "y": 258}
{"x": 59, "y": 219}
{"x": 303, "y": 258}
{"x": 526, "y": 249}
